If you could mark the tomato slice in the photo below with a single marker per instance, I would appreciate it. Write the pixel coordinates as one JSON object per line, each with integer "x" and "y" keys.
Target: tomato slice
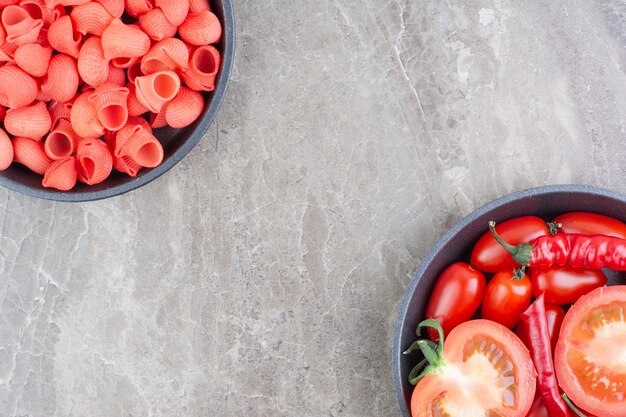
{"x": 487, "y": 373}
{"x": 590, "y": 358}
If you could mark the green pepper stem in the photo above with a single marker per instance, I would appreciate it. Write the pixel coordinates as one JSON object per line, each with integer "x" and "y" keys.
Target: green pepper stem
{"x": 520, "y": 253}
{"x": 571, "y": 405}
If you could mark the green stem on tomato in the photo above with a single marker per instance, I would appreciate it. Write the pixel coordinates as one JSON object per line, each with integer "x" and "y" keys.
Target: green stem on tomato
{"x": 519, "y": 273}
{"x": 571, "y": 405}
{"x": 554, "y": 227}
{"x": 433, "y": 353}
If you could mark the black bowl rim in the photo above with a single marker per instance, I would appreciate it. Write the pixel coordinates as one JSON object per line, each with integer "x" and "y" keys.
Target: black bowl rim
{"x": 443, "y": 241}
{"x": 216, "y": 102}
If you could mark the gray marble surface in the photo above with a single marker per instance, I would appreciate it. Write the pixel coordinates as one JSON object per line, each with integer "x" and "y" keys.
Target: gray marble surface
{"x": 261, "y": 276}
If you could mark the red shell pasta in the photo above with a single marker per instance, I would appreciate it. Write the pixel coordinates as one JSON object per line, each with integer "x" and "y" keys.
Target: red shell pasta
{"x": 94, "y": 161}
{"x": 33, "y": 58}
{"x": 81, "y": 90}
{"x": 31, "y": 154}
{"x": 6, "y": 151}
{"x": 31, "y": 122}
{"x": 61, "y": 174}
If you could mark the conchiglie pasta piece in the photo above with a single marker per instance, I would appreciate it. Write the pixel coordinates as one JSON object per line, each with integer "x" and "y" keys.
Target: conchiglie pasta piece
{"x": 20, "y": 26}
{"x": 59, "y": 111}
{"x": 125, "y": 62}
{"x": 62, "y": 80}
{"x": 158, "y": 120}
{"x": 203, "y": 68}
{"x": 61, "y": 174}
{"x": 126, "y": 165}
{"x": 84, "y": 117}
{"x": 3, "y": 113}
{"x": 63, "y": 38}
{"x": 111, "y": 103}
{"x": 17, "y": 88}
{"x": 37, "y": 9}
{"x": 33, "y": 58}
{"x": 62, "y": 141}
{"x": 185, "y": 109}
{"x": 94, "y": 161}
{"x": 169, "y": 54}
{"x": 43, "y": 97}
{"x": 134, "y": 71}
{"x": 6, "y": 151}
{"x": 201, "y": 29}
{"x": 155, "y": 90}
{"x": 114, "y": 7}
{"x": 127, "y": 41}
{"x": 31, "y": 122}
{"x": 7, "y": 50}
{"x": 135, "y": 108}
{"x": 31, "y": 154}
{"x": 175, "y": 10}
{"x": 93, "y": 68}
{"x": 144, "y": 149}
{"x": 91, "y": 18}
{"x": 139, "y": 121}
{"x": 156, "y": 26}
{"x": 198, "y": 6}
{"x": 136, "y": 8}
{"x": 117, "y": 76}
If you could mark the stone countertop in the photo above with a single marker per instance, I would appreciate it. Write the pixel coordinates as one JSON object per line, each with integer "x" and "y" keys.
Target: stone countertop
{"x": 261, "y": 276}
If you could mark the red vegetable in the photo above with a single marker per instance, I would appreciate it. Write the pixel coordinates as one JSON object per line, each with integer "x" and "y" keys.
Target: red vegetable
{"x": 594, "y": 252}
{"x": 489, "y": 256}
{"x": 589, "y": 356}
{"x": 456, "y": 297}
{"x": 590, "y": 224}
{"x": 554, "y": 317}
{"x": 481, "y": 369}
{"x": 538, "y": 409}
{"x": 507, "y": 296}
{"x": 565, "y": 284}
{"x": 534, "y": 320}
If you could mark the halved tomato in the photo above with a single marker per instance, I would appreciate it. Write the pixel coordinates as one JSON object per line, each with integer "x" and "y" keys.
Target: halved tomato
{"x": 590, "y": 356}
{"x": 486, "y": 372}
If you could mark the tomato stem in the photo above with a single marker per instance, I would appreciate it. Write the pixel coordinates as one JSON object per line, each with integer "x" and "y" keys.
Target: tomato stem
{"x": 520, "y": 253}
{"x": 571, "y": 405}
{"x": 433, "y": 353}
{"x": 554, "y": 227}
{"x": 519, "y": 273}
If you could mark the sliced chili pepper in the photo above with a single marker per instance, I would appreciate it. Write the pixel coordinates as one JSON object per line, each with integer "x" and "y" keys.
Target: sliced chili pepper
{"x": 579, "y": 251}
{"x": 536, "y": 326}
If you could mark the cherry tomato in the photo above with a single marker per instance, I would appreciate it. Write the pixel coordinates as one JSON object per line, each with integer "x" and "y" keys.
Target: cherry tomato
{"x": 507, "y": 296}
{"x": 565, "y": 284}
{"x": 589, "y": 356}
{"x": 456, "y": 297}
{"x": 590, "y": 224}
{"x": 487, "y": 372}
{"x": 554, "y": 316}
{"x": 489, "y": 256}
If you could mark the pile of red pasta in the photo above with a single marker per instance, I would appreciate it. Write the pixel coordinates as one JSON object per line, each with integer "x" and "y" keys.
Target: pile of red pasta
{"x": 83, "y": 83}
{"x": 522, "y": 357}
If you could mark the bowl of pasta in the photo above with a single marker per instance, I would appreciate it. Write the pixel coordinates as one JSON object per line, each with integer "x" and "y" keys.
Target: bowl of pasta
{"x": 100, "y": 97}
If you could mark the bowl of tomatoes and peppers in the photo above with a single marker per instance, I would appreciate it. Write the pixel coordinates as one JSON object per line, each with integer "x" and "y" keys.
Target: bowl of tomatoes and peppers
{"x": 519, "y": 310}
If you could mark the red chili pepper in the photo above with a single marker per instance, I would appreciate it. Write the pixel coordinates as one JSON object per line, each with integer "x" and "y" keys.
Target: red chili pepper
{"x": 538, "y": 344}
{"x": 580, "y": 251}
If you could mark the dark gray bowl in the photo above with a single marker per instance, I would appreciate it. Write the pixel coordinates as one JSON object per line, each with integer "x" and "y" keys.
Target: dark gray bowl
{"x": 177, "y": 143}
{"x": 457, "y": 243}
